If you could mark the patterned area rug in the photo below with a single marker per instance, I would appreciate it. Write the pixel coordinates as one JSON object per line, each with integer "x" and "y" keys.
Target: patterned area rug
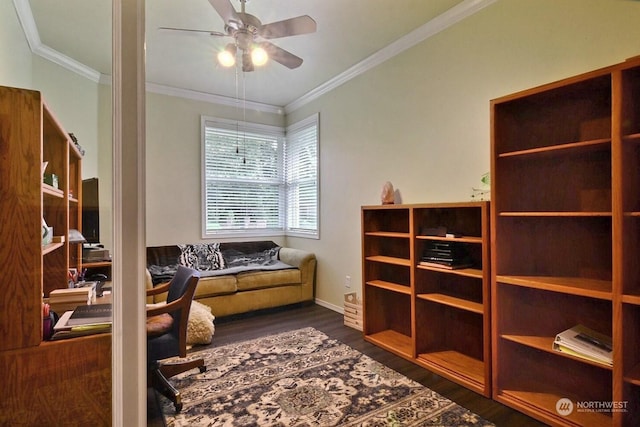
{"x": 304, "y": 378}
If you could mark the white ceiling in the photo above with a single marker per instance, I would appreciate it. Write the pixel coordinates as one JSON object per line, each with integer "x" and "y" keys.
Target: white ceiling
{"x": 352, "y": 35}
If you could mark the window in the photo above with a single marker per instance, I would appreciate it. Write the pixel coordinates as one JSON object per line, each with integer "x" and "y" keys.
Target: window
{"x": 243, "y": 180}
{"x": 302, "y": 178}
{"x": 256, "y": 182}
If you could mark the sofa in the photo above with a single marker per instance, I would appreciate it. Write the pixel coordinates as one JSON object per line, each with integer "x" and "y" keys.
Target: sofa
{"x": 237, "y": 277}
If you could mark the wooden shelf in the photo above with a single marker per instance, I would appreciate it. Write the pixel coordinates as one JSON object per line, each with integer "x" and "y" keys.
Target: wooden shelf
{"x": 51, "y": 247}
{"x": 52, "y": 191}
{"x": 393, "y": 341}
{"x": 454, "y": 364}
{"x": 468, "y": 272}
{"x": 389, "y": 260}
{"x": 592, "y": 288}
{"x": 463, "y": 239}
{"x": 388, "y": 234}
{"x": 541, "y": 400}
{"x": 601, "y": 143}
{"x": 631, "y": 299}
{"x": 394, "y": 287}
{"x": 546, "y": 344}
{"x": 633, "y": 376}
{"x": 555, "y": 214}
{"x": 450, "y": 301}
{"x": 93, "y": 264}
{"x": 632, "y": 137}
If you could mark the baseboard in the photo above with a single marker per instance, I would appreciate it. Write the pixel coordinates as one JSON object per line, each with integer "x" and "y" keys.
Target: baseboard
{"x": 330, "y": 306}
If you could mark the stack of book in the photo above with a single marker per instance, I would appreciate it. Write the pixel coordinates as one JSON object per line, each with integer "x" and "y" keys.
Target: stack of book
{"x": 84, "y": 320}
{"x": 448, "y": 255}
{"x": 585, "y": 343}
{"x": 61, "y": 300}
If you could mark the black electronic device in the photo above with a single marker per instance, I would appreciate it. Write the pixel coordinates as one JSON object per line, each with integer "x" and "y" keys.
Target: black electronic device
{"x": 90, "y": 210}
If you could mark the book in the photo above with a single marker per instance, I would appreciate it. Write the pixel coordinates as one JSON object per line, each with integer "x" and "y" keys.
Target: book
{"x": 580, "y": 341}
{"x": 66, "y": 292}
{"x": 83, "y": 293}
{"x": 86, "y": 325}
{"x": 445, "y": 266}
{"x": 90, "y": 315}
{"x": 442, "y": 259}
{"x": 80, "y": 331}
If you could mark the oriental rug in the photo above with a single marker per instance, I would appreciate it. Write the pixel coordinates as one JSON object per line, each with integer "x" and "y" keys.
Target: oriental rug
{"x": 304, "y": 378}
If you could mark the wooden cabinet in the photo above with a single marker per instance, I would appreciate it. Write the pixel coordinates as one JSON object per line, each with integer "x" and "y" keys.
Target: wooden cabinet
{"x": 436, "y": 317}
{"x": 29, "y": 136}
{"x": 565, "y": 233}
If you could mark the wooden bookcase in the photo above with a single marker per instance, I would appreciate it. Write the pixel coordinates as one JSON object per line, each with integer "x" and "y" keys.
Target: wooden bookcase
{"x": 412, "y": 310}
{"x": 388, "y": 278}
{"x": 55, "y": 372}
{"x": 565, "y": 218}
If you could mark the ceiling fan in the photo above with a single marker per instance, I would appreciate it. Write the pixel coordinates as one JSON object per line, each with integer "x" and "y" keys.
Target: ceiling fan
{"x": 250, "y": 34}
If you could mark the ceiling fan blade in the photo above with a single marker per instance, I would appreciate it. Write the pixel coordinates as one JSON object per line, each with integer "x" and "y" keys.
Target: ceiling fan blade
{"x": 289, "y": 27}
{"x": 188, "y": 31}
{"x": 225, "y": 10}
{"x": 280, "y": 55}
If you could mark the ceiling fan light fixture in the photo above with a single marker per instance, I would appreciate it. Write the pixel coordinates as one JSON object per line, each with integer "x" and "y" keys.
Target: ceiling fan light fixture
{"x": 247, "y": 63}
{"x": 249, "y": 34}
{"x": 259, "y": 56}
{"x": 227, "y": 57}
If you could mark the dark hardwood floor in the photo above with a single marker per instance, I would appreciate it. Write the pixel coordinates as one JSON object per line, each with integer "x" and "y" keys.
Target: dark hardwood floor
{"x": 251, "y": 326}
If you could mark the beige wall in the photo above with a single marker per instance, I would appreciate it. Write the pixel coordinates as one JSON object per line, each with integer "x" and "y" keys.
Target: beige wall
{"x": 74, "y": 101}
{"x": 173, "y": 165}
{"x": 15, "y": 55}
{"x": 421, "y": 120}
{"x": 105, "y": 165}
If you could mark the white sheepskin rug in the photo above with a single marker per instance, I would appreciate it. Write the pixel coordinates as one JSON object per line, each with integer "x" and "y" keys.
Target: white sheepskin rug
{"x": 200, "y": 326}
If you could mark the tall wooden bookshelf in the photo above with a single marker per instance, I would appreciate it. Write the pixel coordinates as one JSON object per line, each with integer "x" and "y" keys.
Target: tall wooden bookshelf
{"x": 47, "y": 383}
{"x": 435, "y": 317}
{"x": 565, "y": 232}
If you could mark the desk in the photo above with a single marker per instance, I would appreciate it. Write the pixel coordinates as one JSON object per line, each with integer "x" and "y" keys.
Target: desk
{"x": 66, "y": 382}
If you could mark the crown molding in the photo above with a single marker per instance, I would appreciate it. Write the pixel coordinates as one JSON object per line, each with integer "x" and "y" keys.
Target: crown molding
{"x": 25, "y": 16}
{"x": 69, "y": 63}
{"x": 195, "y": 95}
{"x": 214, "y": 99}
{"x": 420, "y": 34}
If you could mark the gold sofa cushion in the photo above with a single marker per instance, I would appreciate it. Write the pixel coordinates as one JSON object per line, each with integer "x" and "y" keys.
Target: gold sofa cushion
{"x": 216, "y": 285}
{"x": 267, "y": 279}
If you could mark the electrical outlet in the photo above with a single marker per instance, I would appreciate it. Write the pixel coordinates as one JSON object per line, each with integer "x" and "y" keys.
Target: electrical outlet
{"x": 347, "y": 281}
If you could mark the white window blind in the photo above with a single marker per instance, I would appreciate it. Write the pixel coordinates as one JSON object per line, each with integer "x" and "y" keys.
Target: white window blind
{"x": 243, "y": 179}
{"x": 301, "y": 157}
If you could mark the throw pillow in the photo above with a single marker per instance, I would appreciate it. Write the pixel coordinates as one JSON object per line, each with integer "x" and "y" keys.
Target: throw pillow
{"x": 200, "y": 327}
{"x": 202, "y": 256}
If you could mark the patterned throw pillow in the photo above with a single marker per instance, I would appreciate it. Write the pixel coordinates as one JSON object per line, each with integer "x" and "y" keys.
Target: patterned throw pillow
{"x": 202, "y": 256}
